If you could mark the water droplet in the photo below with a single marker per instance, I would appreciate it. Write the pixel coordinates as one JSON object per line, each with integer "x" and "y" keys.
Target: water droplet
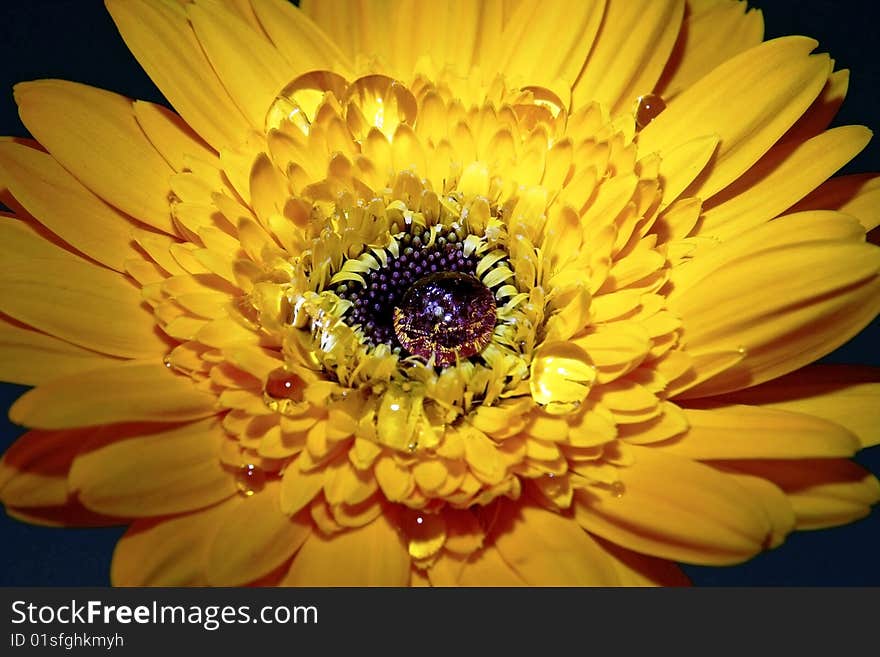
{"x": 282, "y": 384}
{"x": 617, "y": 489}
{"x": 413, "y": 446}
{"x": 249, "y": 479}
{"x": 420, "y": 520}
{"x": 421, "y": 324}
{"x": 647, "y": 108}
{"x": 741, "y": 350}
{"x": 167, "y": 362}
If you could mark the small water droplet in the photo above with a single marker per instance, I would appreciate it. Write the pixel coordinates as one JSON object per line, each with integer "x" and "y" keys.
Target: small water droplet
{"x": 647, "y": 108}
{"x": 413, "y": 446}
{"x": 283, "y": 384}
{"x": 617, "y": 489}
{"x": 741, "y": 350}
{"x": 249, "y": 479}
{"x": 167, "y": 362}
{"x": 420, "y": 520}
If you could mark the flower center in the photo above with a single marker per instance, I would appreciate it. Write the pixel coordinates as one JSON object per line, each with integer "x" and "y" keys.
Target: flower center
{"x": 420, "y": 253}
{"x": 446, "y": 315}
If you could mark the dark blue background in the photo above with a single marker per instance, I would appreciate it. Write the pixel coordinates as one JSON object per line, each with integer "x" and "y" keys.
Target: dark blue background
{"x": 76, "y": 40}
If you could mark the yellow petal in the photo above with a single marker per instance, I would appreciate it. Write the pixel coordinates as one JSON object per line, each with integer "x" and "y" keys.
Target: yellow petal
{"x": 779, "y": 72}
{"x": 369, "y": 34}
{"x": 484, "y": 568}
{"x": 94, "y": 135}
{"x": 782, "y": 177}
{"x": 65, "y": 296}
{"x": 373, "y": 555}
{"x": 30, "y": 358}
{"x": 823, "y": 110}
{"x": 822, "y": 492}
{"x": 842, "y": 394}
{"x": 737, "y": 431}
{"x": 163, "y": 42}
{"x": 523, "y": 54}
{"x": 249, "y": 66}
{"x": 547, "y": 549}
{"x": 125, "y": 392}
{"x": 632, "y": 47}
{"x": 67, "y": 208}
{"x": 784, "y": 307}
{"x": 171, "y": 136}
{"x": 395, "y": 481}
{"x": 857, "y": 196}
{"x": 777, "y": 506}
{"x": 167, "y": 552}
{"x": 154, "y": 474}
{"x": 299, "y": 40}
{"x": 33, "y": 472}
{"x": 682, "y": 164}
{"x": 483, "y": 458}
{"x": 707, "y": 39}
{"x": 254, "y": 538}
{"x": 634, "y": 569}
{"x": 676, "y": 509}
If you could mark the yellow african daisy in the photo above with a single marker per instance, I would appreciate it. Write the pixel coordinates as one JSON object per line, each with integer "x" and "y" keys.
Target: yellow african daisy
{"x": 440, "y": 293}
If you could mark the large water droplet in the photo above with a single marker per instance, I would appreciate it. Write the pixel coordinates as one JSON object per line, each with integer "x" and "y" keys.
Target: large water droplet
{"x": 617, "y": 489}
{"x": 647, "y": 108}
{"x": 448, "y": 315}
{"x": 299, "y": 100}
{"x": 249, "y": 480}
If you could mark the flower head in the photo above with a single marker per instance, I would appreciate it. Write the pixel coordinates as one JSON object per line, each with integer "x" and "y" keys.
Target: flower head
{"x": 460, "y": 308}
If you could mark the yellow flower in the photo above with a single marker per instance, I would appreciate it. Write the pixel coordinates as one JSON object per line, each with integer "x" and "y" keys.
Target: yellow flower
{"x": 449, "y": 294}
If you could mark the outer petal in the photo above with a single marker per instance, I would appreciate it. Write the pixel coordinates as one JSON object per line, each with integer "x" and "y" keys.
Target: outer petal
{"x": 848, "y": 396}
{"x": 857, "y": 196}
{"x": 254, "y": 538}
{"x": 749, "y": 102}
{"x": 782, "y": 298}
{"x": 64, "y": 206}
{"x": 524, "y": 56}
{"x": 822, "y": 492}
{"x": 547, "y": 549}
{"x": 484, "y": 568}
{"x": 676, "y": 509}
{"x": 29, "y": 358}
{"x": 33, "y": 472}
{"x": 159, "y": 35}
{"x": 634, "y": 569}
{"x": 298, "y": 39}
{"x": 737, "y": 431}
{"x": 372, "y": 555}
{"x": 248, "y": 65}
{"x": 59, "y": 293}
{"x": 94, "y": 135}
{"x": 781, "y": 178}
{"x": 126, "y": 392}
{"x": 154, "y": 474}
{"x": 167, "y": 551}
{"x": 707, "y": 39}
{"x": 632, "y": 47}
